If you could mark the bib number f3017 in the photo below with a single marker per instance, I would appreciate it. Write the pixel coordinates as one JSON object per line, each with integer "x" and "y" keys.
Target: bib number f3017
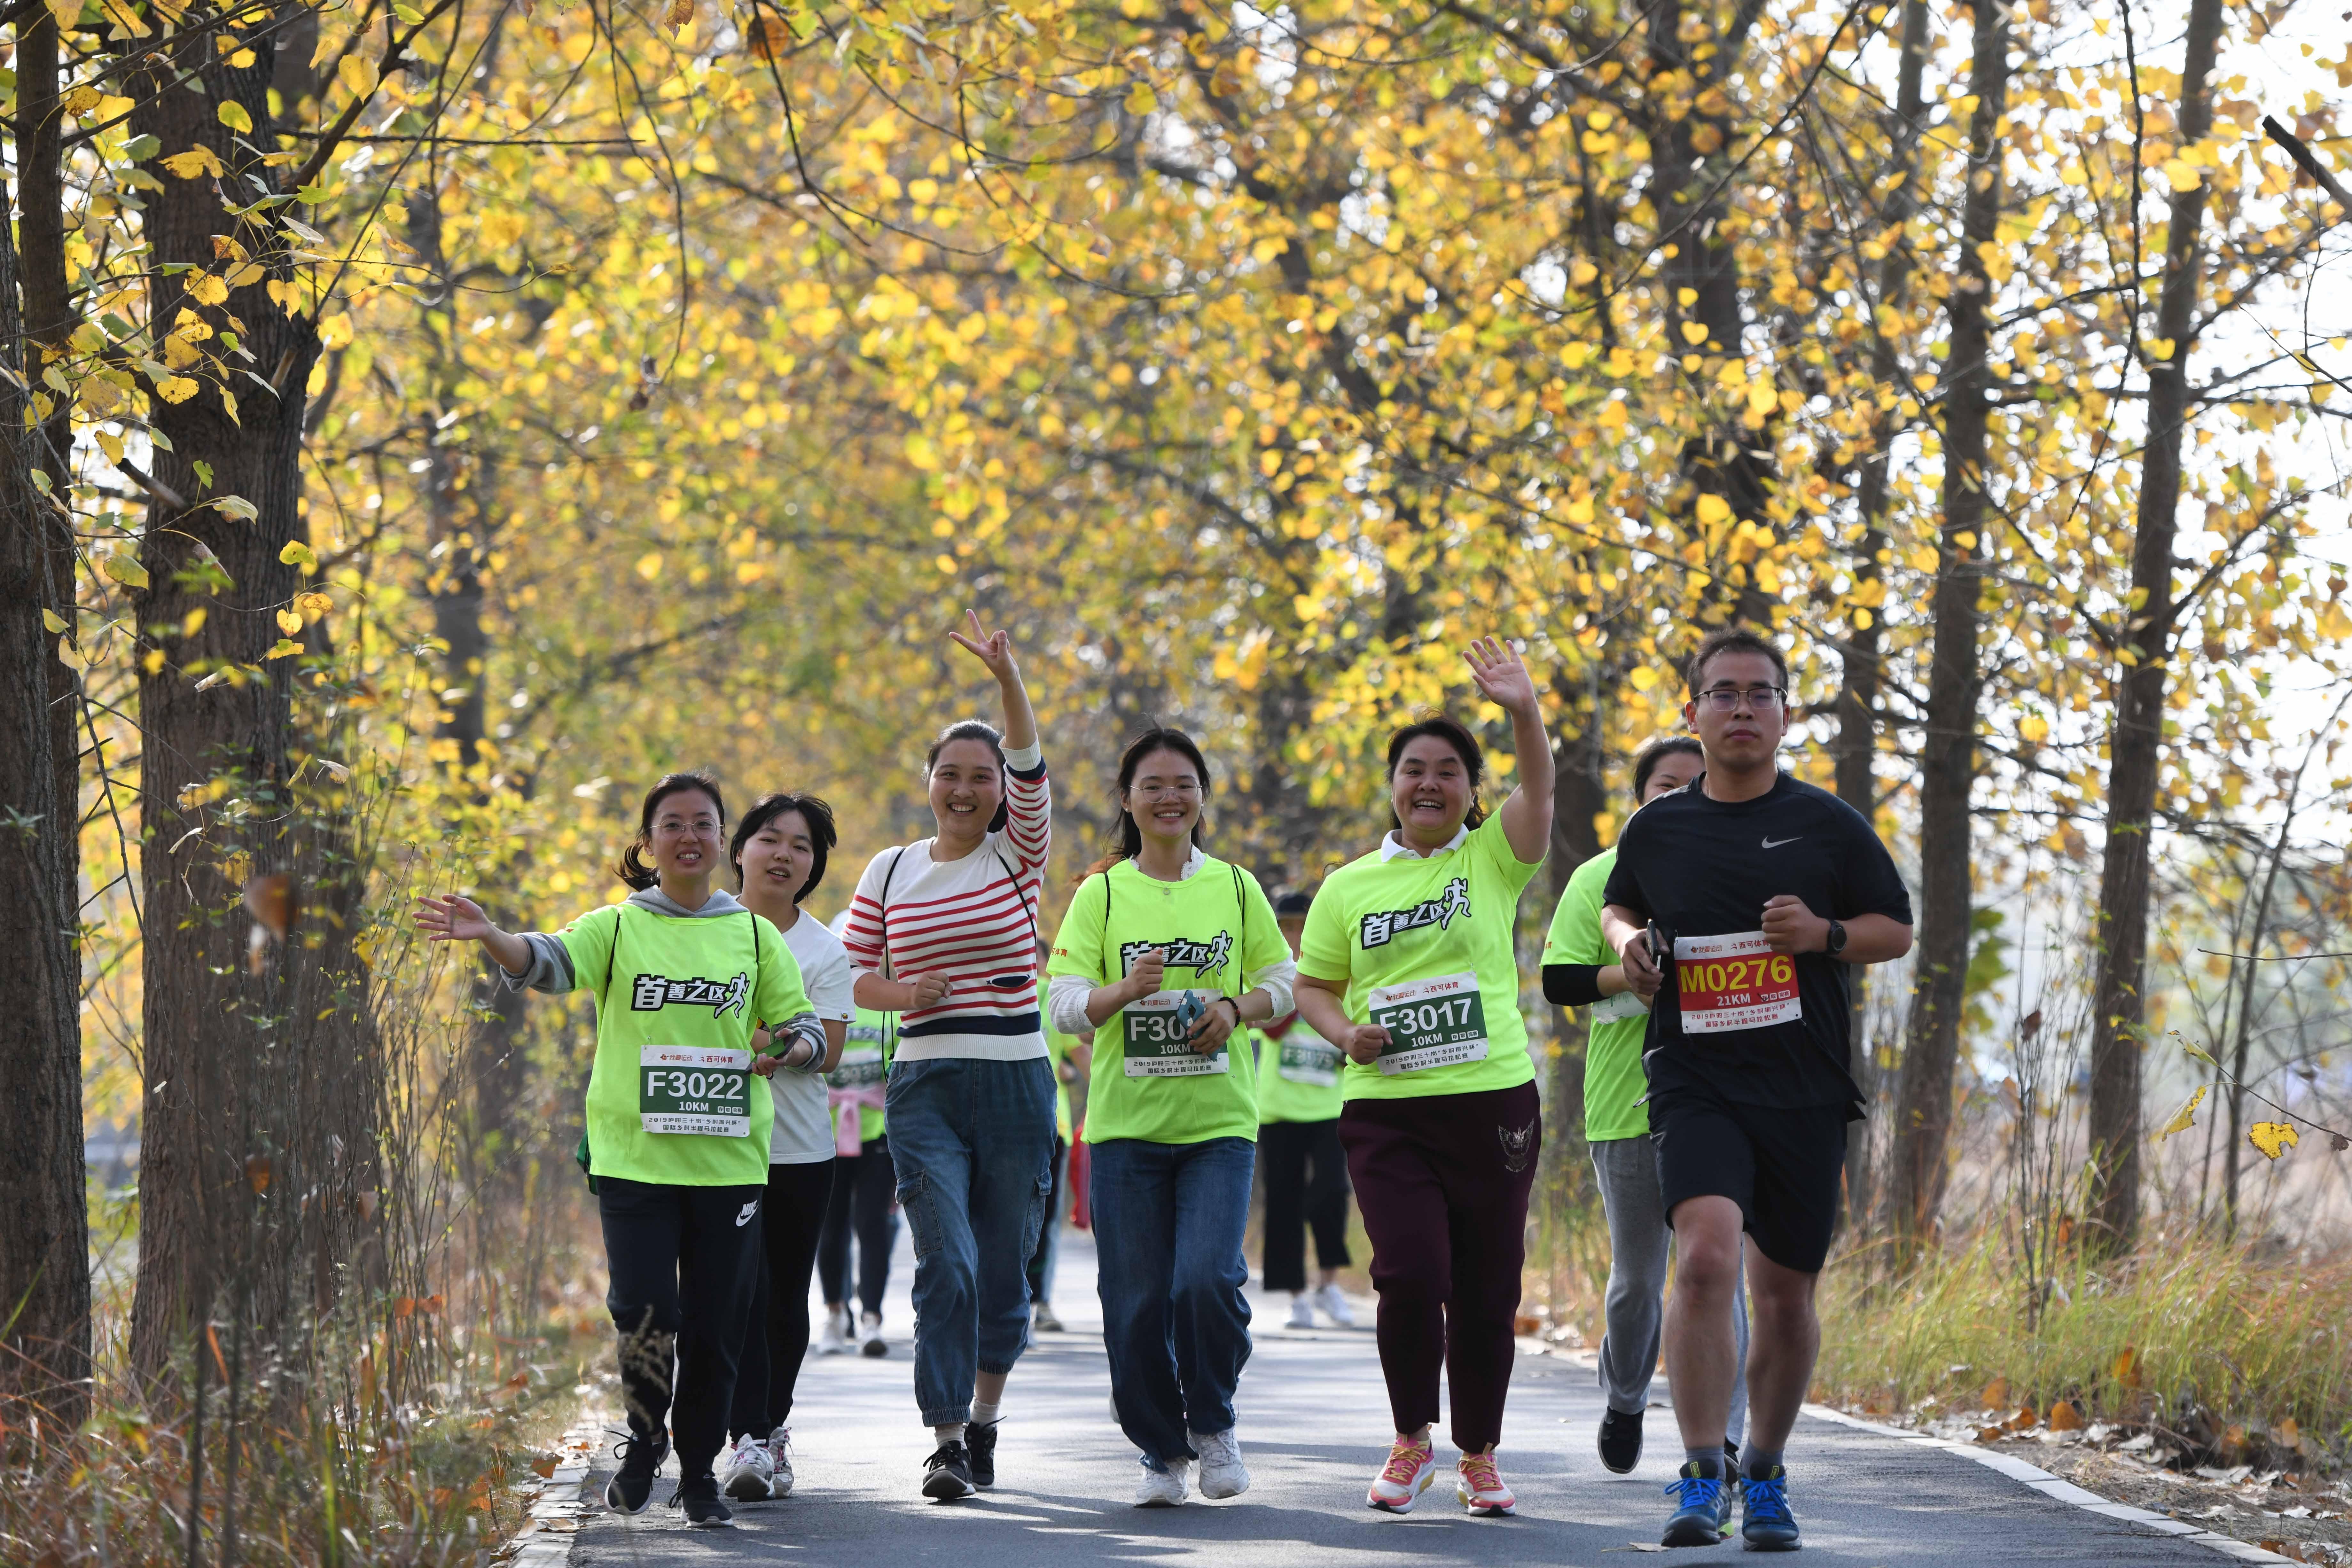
{"x": 1158, "y": 1030}
{"x": 1431, "y": 1023}
{"x": 1308, "y": 1061}
{"x": 1734, "y": 982}
{"x": 698, "y": 1091}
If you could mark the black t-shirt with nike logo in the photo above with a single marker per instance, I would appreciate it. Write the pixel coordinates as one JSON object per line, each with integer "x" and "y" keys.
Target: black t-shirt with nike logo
{"x": 1706, "y": 867}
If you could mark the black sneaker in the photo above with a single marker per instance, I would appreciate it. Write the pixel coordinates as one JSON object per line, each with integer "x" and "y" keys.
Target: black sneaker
{"x": 947, "y": 1474}
{"x": 1765, "y": 1522}
{"x": 979, "y": 1442}
{"x": 1621, "y": 1441}
{"x": 631, "y": 1489}
{"x": 705, "y": 1509}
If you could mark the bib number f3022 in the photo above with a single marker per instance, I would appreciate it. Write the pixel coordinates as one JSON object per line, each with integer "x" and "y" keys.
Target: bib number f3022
{"x": 698, "y": 1091}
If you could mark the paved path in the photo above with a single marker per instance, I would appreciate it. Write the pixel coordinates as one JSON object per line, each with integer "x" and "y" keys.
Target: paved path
{"x": 1314, "y": 1426}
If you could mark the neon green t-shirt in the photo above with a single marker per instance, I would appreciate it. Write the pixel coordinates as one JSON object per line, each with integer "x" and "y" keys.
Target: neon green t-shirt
{"x": 1298, "y": 1073}
{"x": 1614, "y": 1084}
{"x": 1217, "y": 929}
{"x": 865, "y": 1053}
{"x": 669, "y": 1099}
{"x": 1058, "y": 1047}
{"x": 1423, "y": 945}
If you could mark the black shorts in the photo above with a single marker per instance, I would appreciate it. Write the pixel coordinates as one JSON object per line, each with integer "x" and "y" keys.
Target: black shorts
{"x": 1784, "y": 1168}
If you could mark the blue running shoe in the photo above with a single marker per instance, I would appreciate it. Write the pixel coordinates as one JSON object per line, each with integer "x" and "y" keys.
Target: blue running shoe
{"x": 1765, "y": 1521}
{"x": 1702, "y": 1514}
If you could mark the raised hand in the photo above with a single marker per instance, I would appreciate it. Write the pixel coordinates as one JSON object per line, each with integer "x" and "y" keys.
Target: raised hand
{"x": 994, "y": 650}
{"x": 1501, "y": 675}
{"x": 452, "y": 917}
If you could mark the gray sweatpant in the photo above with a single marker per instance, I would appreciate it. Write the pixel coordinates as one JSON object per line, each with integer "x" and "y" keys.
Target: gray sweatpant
{"x": 1638, "y": 1234}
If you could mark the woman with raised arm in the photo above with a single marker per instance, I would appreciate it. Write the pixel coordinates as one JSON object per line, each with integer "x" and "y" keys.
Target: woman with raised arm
{"x": 943, "y": 932}
{"x": 1408, "y": 964}
{"x": 695, "y": 993}
{"x": 1165, "y": 952}
{"x": 779, "y": 853}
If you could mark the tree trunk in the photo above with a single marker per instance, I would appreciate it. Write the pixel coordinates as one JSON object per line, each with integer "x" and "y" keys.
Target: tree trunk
{"x": 258, "y": 1116}
{"x": 1923, "y": 1107}
{"x": 45, "y": 1345}
{"x": 2135, "y": 751}
{"x": 1857, "y": 751}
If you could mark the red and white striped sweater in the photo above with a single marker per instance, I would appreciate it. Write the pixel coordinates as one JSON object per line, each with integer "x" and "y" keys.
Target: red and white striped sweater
{"x": 973, "y": 920}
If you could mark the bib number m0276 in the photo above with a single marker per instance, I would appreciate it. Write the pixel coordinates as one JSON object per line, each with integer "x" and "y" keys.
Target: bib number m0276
{"x": 698, "y": 1091}
{"x": 1734, "y": 982}
{"x": 1431, "y": 1023}
{"x": 1158, "y": 1030}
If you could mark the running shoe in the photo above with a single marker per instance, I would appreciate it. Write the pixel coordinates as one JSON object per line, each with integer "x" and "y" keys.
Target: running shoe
{"x": 1621, "y": 1441}
{"x": 833, "y": 1338}
{"x": 1302, "y": 1312}
{"x": 631, "y": 1489}
{"x": 1221, "y": 1474}
{"x": 747, "y": 1471}
{"x": 1702, "y": 1509}
{"x": 870, "y": 1337}
{"x": 1480, "y": 1487}
{"x": 1044, "y": 1321}
{"x": 1163, "y": 1485}
{"x": 1764, "y": 1522}
{"x": 780, "y": 1452}
{"x": 947, "y": 1474}
{"x": 1411, "y": 1468}
{"x": 1335, "y": 1307}
{"x": 705, "y": 1509}
{"x": 980, "y": 1445}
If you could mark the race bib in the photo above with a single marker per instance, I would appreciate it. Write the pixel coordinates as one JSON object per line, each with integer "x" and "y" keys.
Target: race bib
{"x": 1431, "y": 1023}
{"x": 695, "y": 1089}
{"x": 1309, "y": 1061}
{"x": 860, "y": 1067}
{"x": 1158, "y": 1030}
{"x": 1734, "y": 982}
{"x": 1625, "y": 1004}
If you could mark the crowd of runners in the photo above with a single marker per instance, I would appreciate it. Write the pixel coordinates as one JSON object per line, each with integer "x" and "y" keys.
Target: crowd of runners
{"x": 919, "y": 1060}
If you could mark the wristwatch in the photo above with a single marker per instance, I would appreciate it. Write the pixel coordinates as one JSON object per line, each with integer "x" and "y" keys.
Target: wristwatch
{"x": 1837, "y": 938}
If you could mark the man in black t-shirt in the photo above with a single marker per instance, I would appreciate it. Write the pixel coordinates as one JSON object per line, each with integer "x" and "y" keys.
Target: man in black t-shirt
{"x": 1737, "y": 905}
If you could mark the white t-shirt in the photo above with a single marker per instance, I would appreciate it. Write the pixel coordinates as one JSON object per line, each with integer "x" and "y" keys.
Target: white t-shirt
{"x": 803, "y": 1134}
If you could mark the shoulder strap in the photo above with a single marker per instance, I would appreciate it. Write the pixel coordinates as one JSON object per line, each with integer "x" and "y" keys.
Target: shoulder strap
{"x": 1023, "y": 894}
{"x": 1241, "y": 936}
{"x": 885, "y": 900}
{"x": 613, "y": 958}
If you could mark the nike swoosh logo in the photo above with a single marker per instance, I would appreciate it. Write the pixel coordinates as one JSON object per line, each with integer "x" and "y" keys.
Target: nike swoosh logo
{"x": 1776, "y": 843}
{"x": 745, "y": 1217}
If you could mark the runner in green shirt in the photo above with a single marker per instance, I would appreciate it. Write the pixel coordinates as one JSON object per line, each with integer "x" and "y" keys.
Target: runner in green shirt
{"x": 1408, "y": 963}
{"x": 1072, "y": 1056}
{"x": 864, "y": 1203}
{"x": 1579, "y": 970}
{"x": 1165, "y": 952}
{"x": 694, "y": 995}
{"x": 1306, "y": 1178}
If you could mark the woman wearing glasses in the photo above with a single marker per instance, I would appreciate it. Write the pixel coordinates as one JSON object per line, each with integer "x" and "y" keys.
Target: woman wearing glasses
{"x": 1407, "y": 963}
{"x": 1166, "y": 950}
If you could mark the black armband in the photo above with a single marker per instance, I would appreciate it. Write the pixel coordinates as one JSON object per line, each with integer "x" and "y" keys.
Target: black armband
{"x": 1571, "y": 984}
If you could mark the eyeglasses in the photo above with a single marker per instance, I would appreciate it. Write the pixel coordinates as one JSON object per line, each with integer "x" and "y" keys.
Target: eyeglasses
{"x": 1185, "y": 790}
{"x": 1724, "y": 699}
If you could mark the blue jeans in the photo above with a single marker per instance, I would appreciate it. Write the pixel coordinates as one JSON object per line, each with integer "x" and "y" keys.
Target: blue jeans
{"x": 1169, "y": 1219}
{"x": 973, "y": 1142}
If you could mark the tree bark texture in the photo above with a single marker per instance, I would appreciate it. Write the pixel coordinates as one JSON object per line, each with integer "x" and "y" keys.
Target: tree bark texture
{"x": 2119, "y": 1008}
{"x": 1947, "y": 753}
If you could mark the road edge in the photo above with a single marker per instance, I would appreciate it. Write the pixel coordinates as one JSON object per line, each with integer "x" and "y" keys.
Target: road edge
{"x": 563, "y": 1500}
{"x": 2058, "y": 1488}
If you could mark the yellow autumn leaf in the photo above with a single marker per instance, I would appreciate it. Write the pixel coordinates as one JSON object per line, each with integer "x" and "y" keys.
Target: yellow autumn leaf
{"x": 124, "y": 568}
{"x": 54, "y": 621}
{"x": 111, "y": 445}
{"x": 196, "y": 160}
{"x": 679, "y": 13}
{"x": 2185, "y": 1116}
{"x": 80, "y": 100}
{"x": 335, "y": 332}
{"x": 243, "y": 273}
{"x": 2182, "y": 175}
{"x": 175, "y": 389}
{"x": 296, "y": 553}
{"x": 649, "y": 564}
{"x": 282, "y": 647}
{"x": 314, "y": 604}
{"x": 208, "y": 290}
{"x": 1694, "y": 333}
{"x": 232, "y": 114}
{"x": 289, "y": 622}
{"x": 358, "y": 75}
{"x": 1714, "y": 510}
{"x": 2273, "y": 1137}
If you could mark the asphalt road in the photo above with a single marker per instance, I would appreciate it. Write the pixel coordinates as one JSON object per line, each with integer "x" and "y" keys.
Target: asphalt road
{"x": 1314, "y": 1429}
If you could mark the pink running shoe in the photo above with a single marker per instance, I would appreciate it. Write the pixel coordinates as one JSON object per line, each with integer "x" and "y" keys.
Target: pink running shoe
{"x": 1480, "y": 1487}
{"x": 1411, "y": 1468}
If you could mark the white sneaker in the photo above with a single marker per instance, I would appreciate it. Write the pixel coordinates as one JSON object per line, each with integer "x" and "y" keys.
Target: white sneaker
{"x": 746, "y": 1471}
{"x": 1302, "y": 1312}
{"x": 833, "y": 1338}
{"x": 870, "y": 1342}
{"x": 1335, "y": 1307}
{"x": 780, "y": 1454}
{"x": 1221, "y": 1474}
{"x": 1163, "y": 1485}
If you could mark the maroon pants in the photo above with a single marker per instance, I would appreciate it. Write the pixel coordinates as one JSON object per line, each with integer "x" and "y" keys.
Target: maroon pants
{"x": 1442, "y": 1184}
